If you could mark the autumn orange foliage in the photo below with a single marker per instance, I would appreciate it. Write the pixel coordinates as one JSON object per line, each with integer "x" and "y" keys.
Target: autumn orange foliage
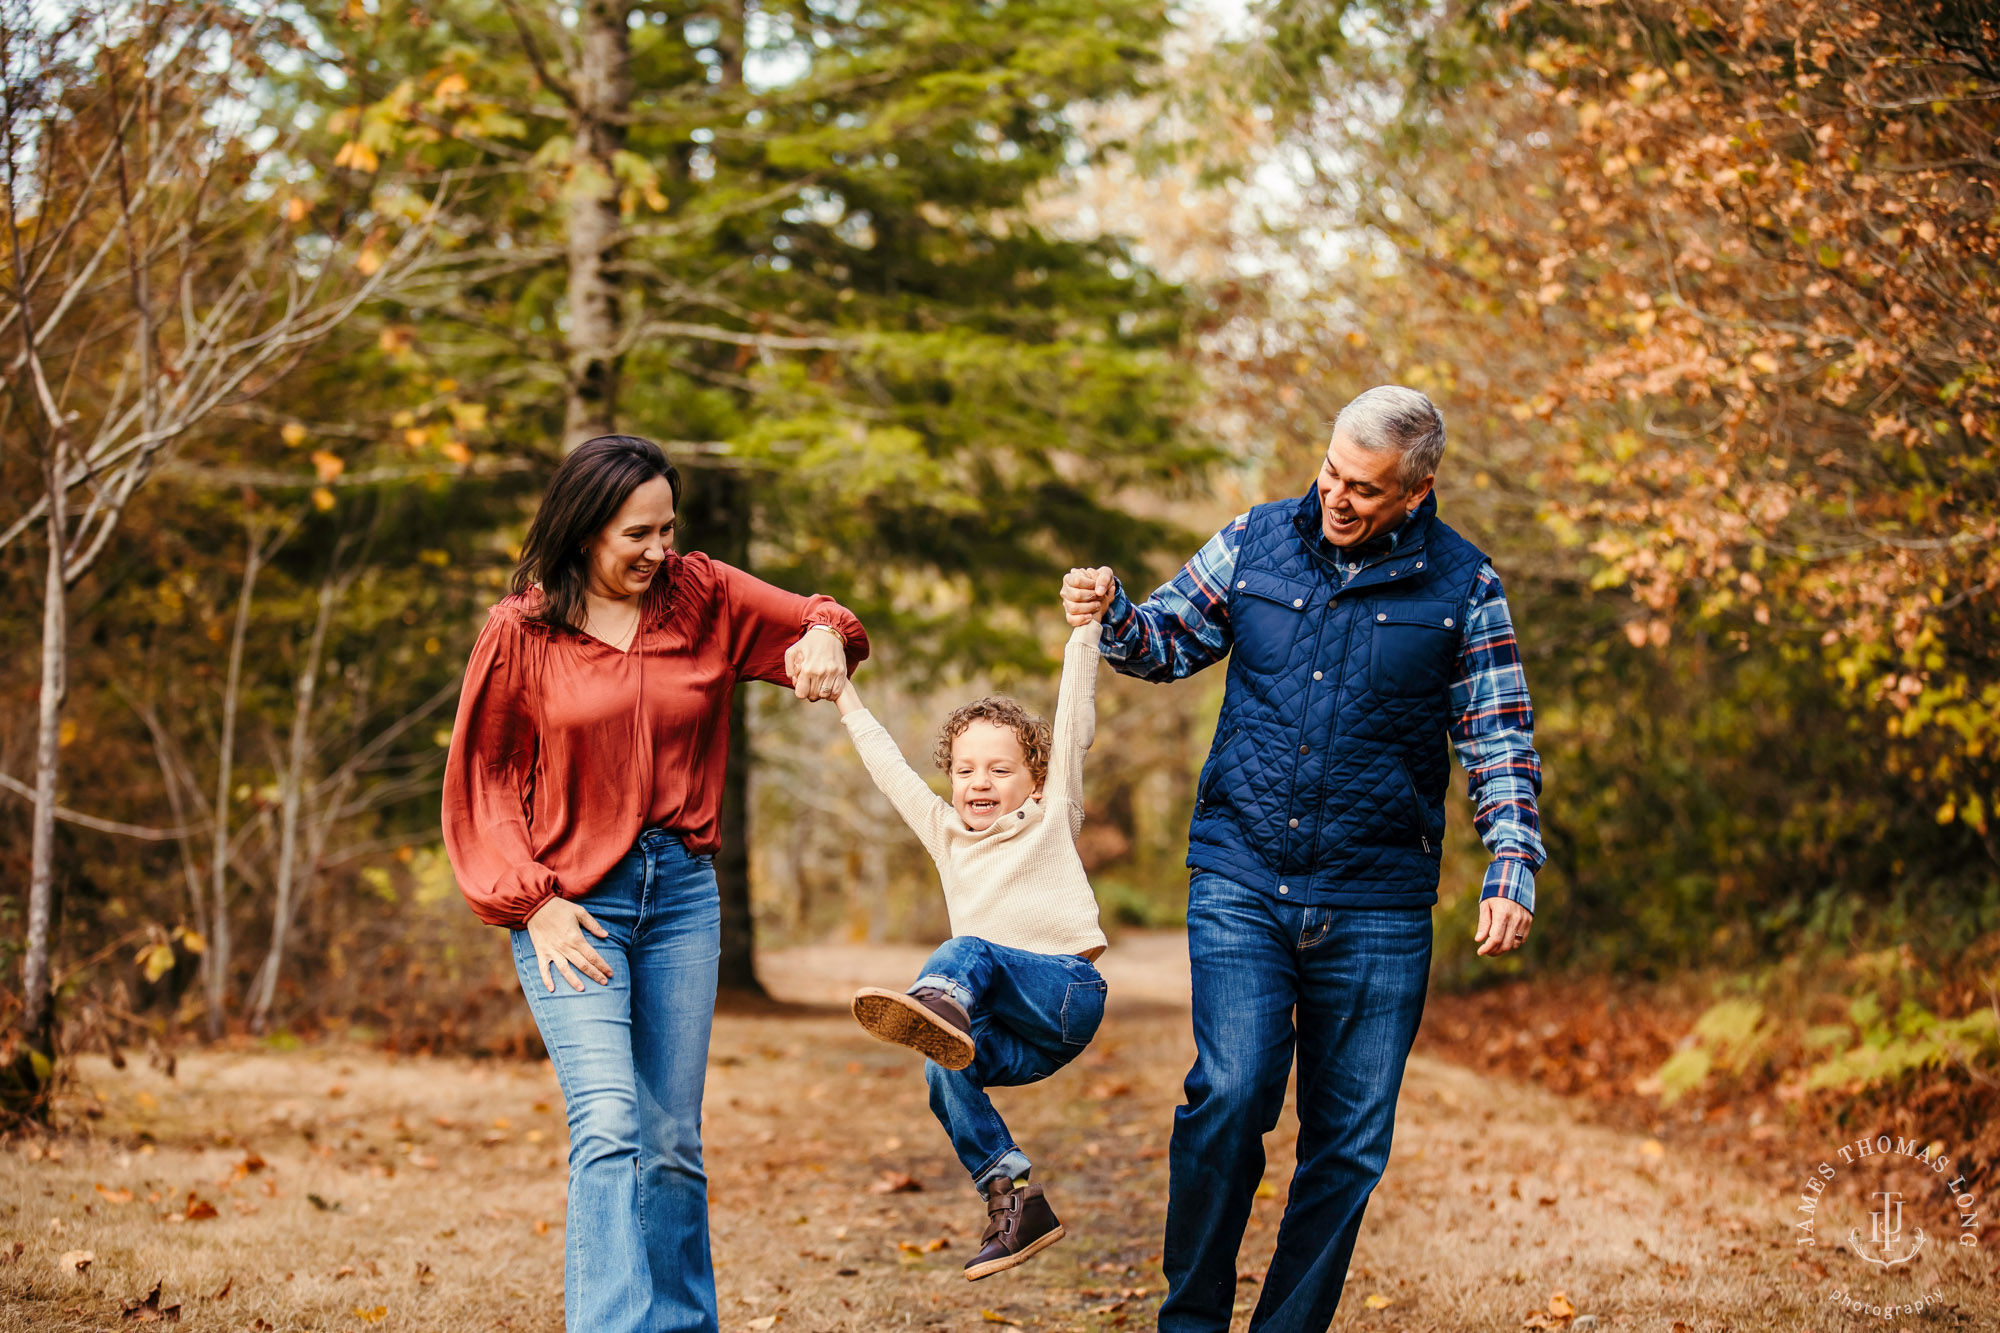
{"x": 1778, "y": 226}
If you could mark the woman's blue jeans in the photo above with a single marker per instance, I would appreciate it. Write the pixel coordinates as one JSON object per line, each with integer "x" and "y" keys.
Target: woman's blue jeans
{"x": 1344, "y": 987}
{"x": 1032, "y": 1013}
{"x": 632, "y": 1057}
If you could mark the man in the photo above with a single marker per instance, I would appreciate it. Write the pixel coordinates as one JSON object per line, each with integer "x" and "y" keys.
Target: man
{"x": 1366, "y": 640}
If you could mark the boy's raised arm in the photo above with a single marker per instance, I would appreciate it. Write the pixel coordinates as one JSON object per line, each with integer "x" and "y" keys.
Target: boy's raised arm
{"x": 1076, "y": 721}
{"x": 922, "y": 809}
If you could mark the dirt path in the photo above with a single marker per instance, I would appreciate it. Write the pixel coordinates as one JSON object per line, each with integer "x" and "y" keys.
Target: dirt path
{"x": 428, "y": 1194}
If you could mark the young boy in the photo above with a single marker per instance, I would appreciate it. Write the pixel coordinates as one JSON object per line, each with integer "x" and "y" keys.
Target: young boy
{"x": 1013, "y": 995}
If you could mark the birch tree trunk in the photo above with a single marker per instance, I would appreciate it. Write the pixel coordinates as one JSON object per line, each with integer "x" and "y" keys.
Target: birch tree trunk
{"x": 37, "y": 1010}
{"x": 290, "y": 798}
{"x": 601, "y": 100}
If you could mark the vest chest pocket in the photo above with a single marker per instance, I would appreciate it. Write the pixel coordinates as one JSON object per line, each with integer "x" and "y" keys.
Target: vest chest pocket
{"x": 1267, "y": 614}
{"x": 1413, "y": 647}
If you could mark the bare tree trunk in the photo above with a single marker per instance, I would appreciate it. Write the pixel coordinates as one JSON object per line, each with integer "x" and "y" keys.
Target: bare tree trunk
{"x": 219, "y": 943}
{"x": 601, "y": 98}
{"x": 38, "y": 1012}
{"x": 715, "y": 517}
{"x": 294, "y": 783}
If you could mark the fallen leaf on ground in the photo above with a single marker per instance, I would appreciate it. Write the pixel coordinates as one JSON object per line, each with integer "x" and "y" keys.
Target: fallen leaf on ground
{"x": 13, "y": 1253}
{"x": 371, "y": 1314}
{"x": 1104, "y": 1089}
{"x": 760, "y": 1325}
{"x": 198, "y": 1210}
{"x": 541, "y": 1226}
{"x": 424, "y": 1275}
{"x": 1560, "y": 1305}
{"x": 224, "y": 1291}
{"x": 995, "y": 1317}
{"x": 1653, "y": 1148}
{"x": 114, "y": 1196}
{"x": 345, "y": 1270}
{"x": 78, "y": 1261}
{"x": 322, "y": 1204}
{"x": 895, "y": 1182}
{"x": 1377, "y": 1301}
{"x": 1266, "y": 1190}
{"x": 150, "y": 1311}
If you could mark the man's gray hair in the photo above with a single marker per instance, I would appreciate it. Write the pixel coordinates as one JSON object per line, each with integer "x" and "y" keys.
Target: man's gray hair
{"x": 1391, "y": 417}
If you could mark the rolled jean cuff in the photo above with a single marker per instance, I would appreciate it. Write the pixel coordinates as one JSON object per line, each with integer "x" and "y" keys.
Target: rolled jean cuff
{"x": 955, "y": 989}
{"x": 1012, "y": 1164}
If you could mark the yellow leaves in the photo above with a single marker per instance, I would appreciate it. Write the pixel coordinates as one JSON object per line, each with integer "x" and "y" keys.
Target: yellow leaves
{"x": 327, "y": 466}
{"x": 396, "y": 339}
{"x": 1653, "y": 1148}
{"x": 995, "y": 1317}
{"x": 371, "y": 1314}
{"x": 369, "y": 261}
{"x": 456, "y": 452}
{"x": 468, "y": 416}
{"x": 1559, "y": 1312}
{"x": 355, "y": 155}
{"x": 293, "y": 434}
{"x": 1377, "y": 1301}
{"x": 322, "y": 499}
{"x": 295, "y": 209}
{"x": 1764, "y": 363}
{"x": 66, "y": 732}
{"x": 112, "y": 1196}
{"x": 155, "y": 959}
{"x": 449, "y": 94}
{"x": 1266, "y": 1190}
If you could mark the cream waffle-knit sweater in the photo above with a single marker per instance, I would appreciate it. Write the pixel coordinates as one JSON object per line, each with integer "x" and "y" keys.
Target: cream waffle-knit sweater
{"x": 1018, "y": 882}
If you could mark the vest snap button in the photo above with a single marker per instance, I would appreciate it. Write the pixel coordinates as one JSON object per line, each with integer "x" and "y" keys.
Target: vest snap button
{"x": 1447, "y": 622}
{"x": 1295, "y": 823}
{"x": 1282, "y": 888}
{"x": 1298, "y": 601}
{"x": 1305, "y": 749}
{"x": 1381, "y": 615}
{"x": 1241, "y": 584}
{"x": 1316, "y": 675}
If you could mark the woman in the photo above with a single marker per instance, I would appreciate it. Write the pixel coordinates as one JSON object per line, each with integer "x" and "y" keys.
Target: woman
{"x": 581, "y": 795}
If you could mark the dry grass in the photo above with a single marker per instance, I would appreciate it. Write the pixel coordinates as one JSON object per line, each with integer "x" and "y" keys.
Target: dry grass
{"x": 443, "y": 1191}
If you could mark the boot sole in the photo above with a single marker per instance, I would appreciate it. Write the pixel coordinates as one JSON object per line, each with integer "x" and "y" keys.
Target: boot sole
{"x": 894, "y": 1017}
{"x": 1005, "y": 1262}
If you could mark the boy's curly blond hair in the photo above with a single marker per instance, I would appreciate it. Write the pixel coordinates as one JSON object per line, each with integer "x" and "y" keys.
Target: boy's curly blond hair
{"x": 1032, "y": 731}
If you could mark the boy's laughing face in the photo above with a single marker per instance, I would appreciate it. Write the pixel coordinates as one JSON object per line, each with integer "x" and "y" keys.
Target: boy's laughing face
{"x": 989, "y": 774}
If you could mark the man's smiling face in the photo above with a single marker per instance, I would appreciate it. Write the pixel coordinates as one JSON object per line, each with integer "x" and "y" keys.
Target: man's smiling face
{"x": 1360, "y": 495}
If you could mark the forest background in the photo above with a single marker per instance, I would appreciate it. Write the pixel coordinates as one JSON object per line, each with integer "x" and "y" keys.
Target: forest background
{"x": 932, "y": 301}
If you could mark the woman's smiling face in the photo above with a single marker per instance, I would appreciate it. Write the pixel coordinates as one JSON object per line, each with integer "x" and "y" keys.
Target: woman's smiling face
{"x": 630, "y": 549}
{"x": 990, "y": 776}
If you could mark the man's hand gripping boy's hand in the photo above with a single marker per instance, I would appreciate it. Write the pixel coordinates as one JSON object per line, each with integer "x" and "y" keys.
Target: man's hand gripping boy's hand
{"x": 1086, "y": 594}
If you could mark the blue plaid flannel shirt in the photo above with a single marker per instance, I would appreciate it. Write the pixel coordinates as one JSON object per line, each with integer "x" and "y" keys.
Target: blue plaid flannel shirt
{"x": 1184, "y": 626}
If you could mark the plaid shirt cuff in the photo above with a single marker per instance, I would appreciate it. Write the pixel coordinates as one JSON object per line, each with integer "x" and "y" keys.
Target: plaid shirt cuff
{"x": 1510, "y": 878}
{"x": 1121, "y": 632}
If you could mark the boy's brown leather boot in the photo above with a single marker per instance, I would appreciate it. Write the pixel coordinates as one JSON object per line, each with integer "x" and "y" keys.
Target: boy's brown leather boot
{"x": 1019, "y": 1225}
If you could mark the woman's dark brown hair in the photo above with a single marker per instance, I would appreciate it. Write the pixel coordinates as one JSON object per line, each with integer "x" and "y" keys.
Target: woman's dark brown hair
{"x": 587, "y": 491}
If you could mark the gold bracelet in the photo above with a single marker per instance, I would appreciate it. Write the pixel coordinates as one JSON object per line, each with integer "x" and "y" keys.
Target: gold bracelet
{"x": 830, "y": 629}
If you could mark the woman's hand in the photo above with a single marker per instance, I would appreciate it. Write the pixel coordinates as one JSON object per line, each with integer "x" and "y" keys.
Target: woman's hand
{"x": 1503, "y": 926}
{"x": 817, "y": 664}
{"x": 1086, "y": 594}
{"x": 556, "y": 930}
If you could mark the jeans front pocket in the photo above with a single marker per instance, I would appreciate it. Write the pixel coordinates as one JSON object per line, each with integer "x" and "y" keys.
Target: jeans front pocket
{"x": 1082, "y": 1011}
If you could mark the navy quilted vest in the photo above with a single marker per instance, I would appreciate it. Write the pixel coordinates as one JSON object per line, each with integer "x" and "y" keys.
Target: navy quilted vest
{"x": 1326, "y": 781}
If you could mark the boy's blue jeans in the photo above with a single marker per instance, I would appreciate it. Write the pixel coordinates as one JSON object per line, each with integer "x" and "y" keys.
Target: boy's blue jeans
{"x": 1032, "y": 1013}
{"x": 632, "y": 1057}
{"x": 1345, "y": 987}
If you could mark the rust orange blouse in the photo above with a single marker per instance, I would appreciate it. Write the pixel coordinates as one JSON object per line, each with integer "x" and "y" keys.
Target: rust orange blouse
{"x": 566, "y": 748}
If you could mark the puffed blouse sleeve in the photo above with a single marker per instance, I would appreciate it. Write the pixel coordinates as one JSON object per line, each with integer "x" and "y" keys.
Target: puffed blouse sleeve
{"x": 489, "y": 778}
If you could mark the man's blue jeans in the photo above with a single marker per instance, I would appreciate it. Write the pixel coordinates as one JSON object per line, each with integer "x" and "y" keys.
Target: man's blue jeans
{"x": 1346, "y": 987}
{"x": 632, "y": 1057}
{"x": 1032, "y": 1013}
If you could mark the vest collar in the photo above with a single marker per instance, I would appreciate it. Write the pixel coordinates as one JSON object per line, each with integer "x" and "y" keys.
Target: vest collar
{"x": 1397, "y": 556}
